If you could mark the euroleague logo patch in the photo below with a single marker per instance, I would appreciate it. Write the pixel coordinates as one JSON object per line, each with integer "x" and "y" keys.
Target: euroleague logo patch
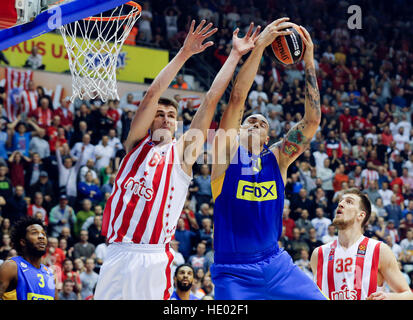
{"x": 297, "y": 53}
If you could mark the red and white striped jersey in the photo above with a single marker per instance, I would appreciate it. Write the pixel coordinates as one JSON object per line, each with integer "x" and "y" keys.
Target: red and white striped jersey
{"x": 147, "y": 197}
{"x": 348, "y": 274}
{"x": 28, "y": 101}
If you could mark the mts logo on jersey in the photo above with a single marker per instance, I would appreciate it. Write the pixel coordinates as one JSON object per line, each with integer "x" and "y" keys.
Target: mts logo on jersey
{"x": 344, "y": 294}
{"x": 257, "y": 191}
{"x": 139, "y": 188}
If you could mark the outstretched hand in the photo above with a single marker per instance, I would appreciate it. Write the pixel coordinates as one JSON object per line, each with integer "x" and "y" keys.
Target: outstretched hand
{"x": 194, "y": 40}
{"x": 244, "y": 45}
{"x": 274, "y": 30}
{"x": 309, "y": 47}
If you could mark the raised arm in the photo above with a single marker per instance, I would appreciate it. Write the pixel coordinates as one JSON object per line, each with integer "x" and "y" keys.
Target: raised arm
{"x": 298, "y": 138}
{"x": 232, "y": 117}
{"x": 147, "y": 109}
{"x": 203, "y": 117}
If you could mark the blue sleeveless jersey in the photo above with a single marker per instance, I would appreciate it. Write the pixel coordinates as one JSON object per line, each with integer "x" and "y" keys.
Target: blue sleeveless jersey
{"x": 33, "y": 283}
{"x": 249, "y": 201}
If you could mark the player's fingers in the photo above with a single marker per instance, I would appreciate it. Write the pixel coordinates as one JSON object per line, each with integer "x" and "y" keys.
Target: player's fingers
{"x": 207, "y": 45}
{"x": 210, "y": 33}
{"x": 306, "y": 34}
{"x": 248, "y": 35}
{"x": 191, "y": 28}
{"x": 284, "y": 33}
{"x": 235, "y": 33}
{"x": 200, "y": 26}
{"x": 281, "y": 20}
{"x": 206, "y": 28}
{"x": 284, "y": 25}
{"x": 256, "y": 33}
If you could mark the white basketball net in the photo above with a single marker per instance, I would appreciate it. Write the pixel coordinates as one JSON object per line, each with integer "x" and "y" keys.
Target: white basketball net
{"x": 93, "y": 49}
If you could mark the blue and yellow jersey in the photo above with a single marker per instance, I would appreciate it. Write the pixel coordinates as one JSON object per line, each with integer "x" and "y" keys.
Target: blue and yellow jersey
{"x": 249, "y": 201}
{"x": 32, "y": 283}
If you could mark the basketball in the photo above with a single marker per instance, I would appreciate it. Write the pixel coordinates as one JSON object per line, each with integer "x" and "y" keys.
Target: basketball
{"x": 289, "y": 49}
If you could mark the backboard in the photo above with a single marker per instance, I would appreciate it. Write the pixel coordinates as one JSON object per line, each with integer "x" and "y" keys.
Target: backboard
{"x": 55, "y": 14}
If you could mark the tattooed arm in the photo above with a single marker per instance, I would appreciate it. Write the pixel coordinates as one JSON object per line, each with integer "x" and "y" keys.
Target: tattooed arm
{"x": 299, "y": 137}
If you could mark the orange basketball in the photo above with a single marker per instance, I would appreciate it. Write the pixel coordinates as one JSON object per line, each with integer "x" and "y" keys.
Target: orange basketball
{"x": 289, "y": 49}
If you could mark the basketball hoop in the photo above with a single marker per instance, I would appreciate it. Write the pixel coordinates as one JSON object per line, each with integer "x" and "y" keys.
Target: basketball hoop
{"x": 93, "y": 46}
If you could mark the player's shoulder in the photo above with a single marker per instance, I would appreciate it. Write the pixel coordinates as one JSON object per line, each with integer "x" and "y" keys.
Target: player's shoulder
{"x": 8, "y": 268}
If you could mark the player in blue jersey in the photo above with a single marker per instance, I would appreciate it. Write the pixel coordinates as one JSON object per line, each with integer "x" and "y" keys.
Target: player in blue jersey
{"x": 184, "y": 277}
{"x": 24, "y": 277}
{"x": 248, "y": 180}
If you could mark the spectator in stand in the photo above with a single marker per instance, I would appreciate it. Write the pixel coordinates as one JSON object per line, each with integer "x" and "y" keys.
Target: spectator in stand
{"x": 84, "y": 249}
{"x": 331, "y": 234}
{"x": 372, "y": 191}
{"x": 394, "y": 212}
{"x": 203, "y": 186}
{"x": 37, "y": 207}
{"x": 38, "y": 144}
{"x": 397, "y": 250}
{"x": 89, "y": 279}
{"x": 297, "y": 244}
{"x": 185, "y": 238}
{"x": 312, "y": 240}
{"x": 17, "y": 164}
{"x": 299, "y": 203}
{"x": 180, "y": 83}
{"x": 385, "y": 193}
{"x": 68, "y": 272}
{"x": 103, "y": 153}
{"x": 67, "y": 292}
{"x": 198, "y": 259}
{"x": 68, "y": 174}
{"x": 34, "y": 61}
{"x": 320, "y": 223}
{"x": 61, "y": 216}
{"x": 16, "y": 206}
{"x": 407, "y": 251}
{"x": 339, "y": 178}
{"x": 95, "y": 231}
{"x": 82, "y": 215}
{"x": 205, "y": 234}
{"x": 304, "y": 223}
{"x": 89, "y": 189}
{"x": 326, "y": 175}
{"x": 54, "y": 250}
{"x": 85, "y": 148}
{"x": 287, "y": 222}
{"x": 320, "y": 156}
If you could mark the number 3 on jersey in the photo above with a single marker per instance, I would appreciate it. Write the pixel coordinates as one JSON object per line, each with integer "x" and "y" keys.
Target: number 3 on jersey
{"x": 41, "y": 282}
{"x": 345, "y": 265}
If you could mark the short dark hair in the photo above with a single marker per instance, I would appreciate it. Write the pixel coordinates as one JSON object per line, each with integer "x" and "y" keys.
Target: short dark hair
{"x": 365, "y": 204}
{"x": 19, "y": 231}
{"x": 184, "y": 265}
{"x": 168, "y": 102}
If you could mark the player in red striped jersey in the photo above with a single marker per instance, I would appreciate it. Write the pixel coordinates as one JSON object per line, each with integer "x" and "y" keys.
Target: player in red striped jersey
{"x": 355, "y": 267}
{"x": 151, "y": 185}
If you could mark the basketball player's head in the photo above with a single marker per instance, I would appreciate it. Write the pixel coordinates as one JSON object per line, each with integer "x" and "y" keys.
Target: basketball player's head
{"x": 29, "y": 237}
{"x": 256, "y": 129}
{"x": 353, "y": 210}
{"x": 164, "y": 125}
{"x": 184, "y": 277}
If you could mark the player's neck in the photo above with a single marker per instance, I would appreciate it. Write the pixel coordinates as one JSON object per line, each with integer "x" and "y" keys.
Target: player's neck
{"x": 347, "y": 237}
{"x": 252, "y": 150}
{"x": 183, "y": 295}
{"x": 34, "y": 261}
